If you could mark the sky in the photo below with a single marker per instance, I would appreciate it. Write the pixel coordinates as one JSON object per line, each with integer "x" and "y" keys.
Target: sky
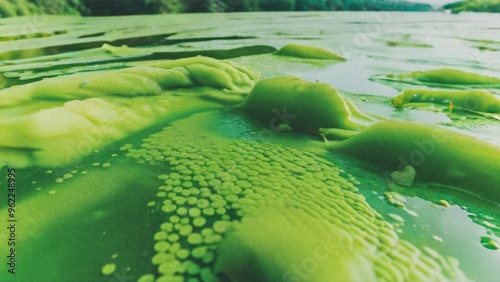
{"x": 434, "y": 3}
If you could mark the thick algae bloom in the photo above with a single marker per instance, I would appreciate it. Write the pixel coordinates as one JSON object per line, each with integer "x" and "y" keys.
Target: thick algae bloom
{"x": 223, "y": 199}
{"x": 325, "y": 252}
{"x": 437, "y": 155}
{"x": 300, "y": 104}
{"x": 443, "y": 77}
{"x": 449, "y": 76}
{"x": 474, "y": 100}
{"x": 47, "y": 124}
{"x": 308, "y": 52}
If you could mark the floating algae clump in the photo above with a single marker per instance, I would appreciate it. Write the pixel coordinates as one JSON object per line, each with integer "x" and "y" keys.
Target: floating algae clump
{"x": 474, "y": 100}
{"x": 444, "y": 77}
{"x": 325, "y": 252}
{"x": 44, "y": 123}
{"x": 227, "y": 181}
{"x": 307, "y": 52}
{"x": 300, "y": 104}
{"x": 135, "y": 81}
{"x": 437, "y": 155}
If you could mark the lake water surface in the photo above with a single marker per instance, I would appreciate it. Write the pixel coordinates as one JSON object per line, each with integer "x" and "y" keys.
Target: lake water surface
{"x": 96, "y": 210}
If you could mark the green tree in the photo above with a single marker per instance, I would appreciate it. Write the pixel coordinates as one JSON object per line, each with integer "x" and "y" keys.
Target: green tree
{"x": 308, "y": 5}
{"x": 277, "y": 5}
{"x": 242, "y": 5}
{"x": 198, "y": 6}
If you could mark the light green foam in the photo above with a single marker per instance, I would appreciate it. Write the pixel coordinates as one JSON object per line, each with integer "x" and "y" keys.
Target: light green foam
{"x": 300, "y": 104}
{"x": 93, "y": 110}
{"x": 307, "y": 52}
{"x": 474, "y": 100}
{"x": 449, "y": 76}
{"x": 283, "y": 219}
{"x": 437, "y": 155}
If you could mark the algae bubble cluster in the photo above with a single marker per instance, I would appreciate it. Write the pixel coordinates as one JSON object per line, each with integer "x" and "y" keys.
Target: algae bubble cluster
{"x": 192, "y": 152}
{"x": 221, "y": 198}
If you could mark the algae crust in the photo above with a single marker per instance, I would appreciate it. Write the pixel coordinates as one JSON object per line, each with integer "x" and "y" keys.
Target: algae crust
{"x": 262, "y": 185}
{"x": 437, "y": 155}
{"x": 187, "y": 188}
{"x": 307, "y": 52}
{"x": 300, "y": 104}
{"x": 474, "y": 100}
{"x": 265, "y": 247}
{"x": 93, "y": 110}
{"x": 449, "y": 78}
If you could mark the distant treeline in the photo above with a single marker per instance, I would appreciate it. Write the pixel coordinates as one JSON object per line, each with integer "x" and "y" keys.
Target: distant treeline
{"x": 492, "y": 6}
{"x": 130, "y": 7}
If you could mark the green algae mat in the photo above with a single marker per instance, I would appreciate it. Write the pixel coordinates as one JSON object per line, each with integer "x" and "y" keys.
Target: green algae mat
{"x": 250, "y": 147}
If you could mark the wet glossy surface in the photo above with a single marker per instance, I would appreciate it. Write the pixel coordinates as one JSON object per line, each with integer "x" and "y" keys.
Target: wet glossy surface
{"x": 105, "y": 206}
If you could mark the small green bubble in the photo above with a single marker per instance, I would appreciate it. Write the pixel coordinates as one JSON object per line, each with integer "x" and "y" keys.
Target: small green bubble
{"x": 186, "y": 230}
{"x": 199, "y": 252}
{"x": 163, "y": 176}
{"x": 194, "y": 212}
{"x": 182, "y": 211}
{"x": 209, "y": 211}
{"x": 108, "y": 269}
{"x": 199, "y": 221}
{"x": 162, "y": 246}
{"x": 182, "y": 254}
{"x": 203, "y": 203}
{"x": 173, "y": 237}
{"x": 160, "y": 235}
{"x": 167, "y": 226}
{"x": 221, "y": 211}
{"x": 146, "y": 277}
{"x": 195, "y": 239}
{"x": 159, "y": 258}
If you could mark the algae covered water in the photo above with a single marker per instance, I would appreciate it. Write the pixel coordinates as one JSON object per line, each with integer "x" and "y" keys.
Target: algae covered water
{"x": 270, "y": 146}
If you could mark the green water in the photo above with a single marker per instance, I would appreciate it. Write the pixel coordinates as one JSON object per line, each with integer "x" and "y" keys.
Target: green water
{"x": 93, "y": 210}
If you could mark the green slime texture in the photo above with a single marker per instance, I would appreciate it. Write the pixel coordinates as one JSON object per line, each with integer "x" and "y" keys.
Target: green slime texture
{"x": 245, "y": 209}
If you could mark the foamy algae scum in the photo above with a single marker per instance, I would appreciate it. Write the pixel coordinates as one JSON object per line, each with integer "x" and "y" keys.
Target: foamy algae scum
{"x": 452, "y": 78}
{"x": 307, "y": 52}
{"x": 449, "y": 76}
{"x": 474, "y": 100}
{"x": 227, "y": 201}
{"x": 300, "y": 104}
{"x": 437, "y": 155}
{"x": 211, "y": 183}
{"x": 43, "y": 120}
